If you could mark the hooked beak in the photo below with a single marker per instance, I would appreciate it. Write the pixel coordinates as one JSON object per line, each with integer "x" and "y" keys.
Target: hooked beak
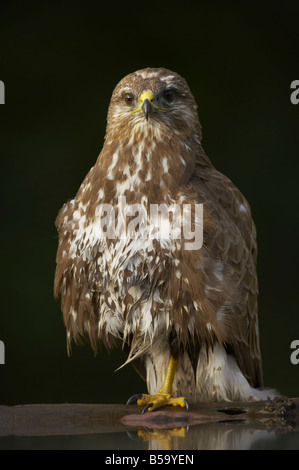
{"x": 147, "y": 108}
{"x": 147, "y": 104}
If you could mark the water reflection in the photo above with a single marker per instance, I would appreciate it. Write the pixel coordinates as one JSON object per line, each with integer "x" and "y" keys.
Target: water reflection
{"x": 270, "y": 425}
{"x": 226, "y": 436}
{"x": 233, "y": 435}
{"x": 241, "y": 426}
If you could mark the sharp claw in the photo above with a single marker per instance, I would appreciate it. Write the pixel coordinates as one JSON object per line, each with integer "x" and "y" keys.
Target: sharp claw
{"x": 137, "y": 396}
{"x": 132, "y": 436}
{"x": 186, "y": 404}
{"x": 147, "y": 407}
{"x": 148, "y": 429}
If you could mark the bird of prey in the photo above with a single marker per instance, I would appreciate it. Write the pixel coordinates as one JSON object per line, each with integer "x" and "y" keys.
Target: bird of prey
{"x": 185, "y": 314}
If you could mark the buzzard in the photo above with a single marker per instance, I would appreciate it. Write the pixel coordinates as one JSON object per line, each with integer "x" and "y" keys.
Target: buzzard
{"x": 185, "y": 314}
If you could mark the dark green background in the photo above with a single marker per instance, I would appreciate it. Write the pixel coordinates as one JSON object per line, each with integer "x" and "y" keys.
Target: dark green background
{"x": 60, "y": 62}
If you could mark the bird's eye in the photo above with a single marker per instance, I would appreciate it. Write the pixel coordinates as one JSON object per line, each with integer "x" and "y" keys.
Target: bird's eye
{"x": 169, "y": 95}
{"x": 129, "y": 98}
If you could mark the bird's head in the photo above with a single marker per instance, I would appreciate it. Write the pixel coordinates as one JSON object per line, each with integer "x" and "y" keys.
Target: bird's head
{"x": 153, "y": 99}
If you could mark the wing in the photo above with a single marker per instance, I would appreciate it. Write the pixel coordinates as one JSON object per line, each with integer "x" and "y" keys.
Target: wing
{"x": 100, "y": 281}
{"x": 230, "y": 253}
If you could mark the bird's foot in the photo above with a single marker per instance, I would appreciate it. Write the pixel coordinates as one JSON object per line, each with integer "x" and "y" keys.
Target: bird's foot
{"x": 164, "y": 438}
{"x": 158, "y": 400}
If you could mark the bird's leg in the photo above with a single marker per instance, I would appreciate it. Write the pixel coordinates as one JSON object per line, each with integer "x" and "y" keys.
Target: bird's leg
{"x": 163, "y": 396}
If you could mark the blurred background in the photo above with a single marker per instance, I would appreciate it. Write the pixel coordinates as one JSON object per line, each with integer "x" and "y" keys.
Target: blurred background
{"x": 60, "y": 62}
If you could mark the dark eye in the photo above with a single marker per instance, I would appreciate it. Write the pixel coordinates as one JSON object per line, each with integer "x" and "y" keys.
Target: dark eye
{"x": 169, "y": 95}
{"x": 129, "y": 98}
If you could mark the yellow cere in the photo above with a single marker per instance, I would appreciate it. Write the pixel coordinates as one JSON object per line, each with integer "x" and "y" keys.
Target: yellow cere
{"x": 147, "y": 95}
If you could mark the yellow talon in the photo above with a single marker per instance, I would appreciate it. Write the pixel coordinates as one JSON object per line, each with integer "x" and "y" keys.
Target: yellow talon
{"x": 159, "y": 400}
{"x": 163, "y": 396}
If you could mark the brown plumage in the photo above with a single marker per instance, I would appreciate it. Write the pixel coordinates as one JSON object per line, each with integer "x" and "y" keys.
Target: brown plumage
{"x": 155, "y": 297}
